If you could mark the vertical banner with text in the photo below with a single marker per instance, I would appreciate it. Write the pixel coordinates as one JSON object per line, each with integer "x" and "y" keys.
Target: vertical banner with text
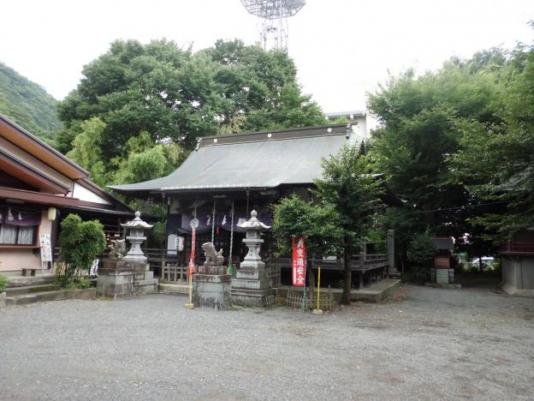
{"x": 194, "y": 225}
{"x": 299, "y": 262}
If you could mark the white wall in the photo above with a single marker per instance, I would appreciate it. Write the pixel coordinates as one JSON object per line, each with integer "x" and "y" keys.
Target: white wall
{"x": 87, "y": 195}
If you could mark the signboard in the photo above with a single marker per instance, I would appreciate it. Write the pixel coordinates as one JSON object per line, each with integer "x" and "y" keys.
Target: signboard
{"x": 172, "y": 245}
{"x": 299, "y": 262}
{"x": 46, "y": 248}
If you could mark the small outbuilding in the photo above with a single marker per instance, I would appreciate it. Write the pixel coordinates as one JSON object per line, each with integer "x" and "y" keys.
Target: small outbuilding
{"x": 38, "y": 187}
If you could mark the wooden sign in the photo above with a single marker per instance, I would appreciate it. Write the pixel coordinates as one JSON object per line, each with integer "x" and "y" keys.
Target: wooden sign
{"x": 46, "y": 248}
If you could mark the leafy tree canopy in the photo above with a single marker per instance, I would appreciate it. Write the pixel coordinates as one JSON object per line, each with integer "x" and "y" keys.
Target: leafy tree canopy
{"x": 176, "y": 96}
{"x": 496, "y": 161}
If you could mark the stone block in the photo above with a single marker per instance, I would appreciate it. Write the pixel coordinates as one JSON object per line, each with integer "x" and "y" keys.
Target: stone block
{"x": 212, "y": 291}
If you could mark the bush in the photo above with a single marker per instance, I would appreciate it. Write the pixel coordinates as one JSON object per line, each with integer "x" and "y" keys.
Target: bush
{"x": 3, "y": 283}
{"x": 80, "y": 242}
{"x": 421, "y": 253}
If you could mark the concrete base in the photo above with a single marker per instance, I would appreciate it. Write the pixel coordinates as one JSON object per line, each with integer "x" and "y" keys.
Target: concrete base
{"x": 518, "y": 274}
{"x": 376, "y": 292}
{"x": 212, "y": 291}
{"x": 2, "y": 300}
{"x": 119, "y": 278}
{"x": 59, "y": 295}
{"x": 442, "y": 276}
{"x": 178, "y": 288}
{"x": 252, "y": 288}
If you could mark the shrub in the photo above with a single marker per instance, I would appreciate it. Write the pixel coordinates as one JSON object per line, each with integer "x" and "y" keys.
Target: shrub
{"x": 3, "y": 283}
{"x": 421, "y": 252}
{"x": 81, "y": 242}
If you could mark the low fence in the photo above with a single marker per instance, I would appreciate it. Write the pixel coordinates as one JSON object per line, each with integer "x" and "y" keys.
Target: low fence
{"x": 297, "y": 298}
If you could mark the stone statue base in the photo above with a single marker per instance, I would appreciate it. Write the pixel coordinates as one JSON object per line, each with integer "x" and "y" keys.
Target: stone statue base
{"x": 251, "y": 287}
{"x": 212, "y": 291}
{"x": 120, "y": 278}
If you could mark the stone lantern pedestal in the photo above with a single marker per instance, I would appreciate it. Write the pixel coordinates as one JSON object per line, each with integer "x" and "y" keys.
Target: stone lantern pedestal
{"x": 251, "y": 286}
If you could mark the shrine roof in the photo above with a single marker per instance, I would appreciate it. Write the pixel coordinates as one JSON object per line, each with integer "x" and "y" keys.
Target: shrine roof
{"x": 265, "y": 159}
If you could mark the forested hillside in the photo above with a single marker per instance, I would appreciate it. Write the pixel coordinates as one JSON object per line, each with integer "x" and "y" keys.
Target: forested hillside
{"x": 28, "y": 104}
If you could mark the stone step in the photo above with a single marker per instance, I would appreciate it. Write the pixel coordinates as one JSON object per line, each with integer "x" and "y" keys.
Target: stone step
{"x": 23, "y": 281}
{"x": 57, "y": 295}
{"x": 31, "y": 289}
{"x": 174, "y": 289}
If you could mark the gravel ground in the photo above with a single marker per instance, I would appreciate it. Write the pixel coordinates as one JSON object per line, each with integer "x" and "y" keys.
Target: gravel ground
{"x": 427, "y": 344}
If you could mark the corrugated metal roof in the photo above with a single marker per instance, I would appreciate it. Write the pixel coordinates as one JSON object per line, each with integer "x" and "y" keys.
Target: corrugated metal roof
{"x": 257, "y": 160}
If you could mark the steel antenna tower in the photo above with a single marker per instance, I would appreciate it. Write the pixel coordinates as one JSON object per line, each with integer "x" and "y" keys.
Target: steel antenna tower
{"x": 274, "y": 15}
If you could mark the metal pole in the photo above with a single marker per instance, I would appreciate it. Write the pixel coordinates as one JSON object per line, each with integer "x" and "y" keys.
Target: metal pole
{"x": 318, "y": 310}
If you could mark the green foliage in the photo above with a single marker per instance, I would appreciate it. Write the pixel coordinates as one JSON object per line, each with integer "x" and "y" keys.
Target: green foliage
{"x": 421, "y": 252}
{"x": 350, "y": 188}
{"x": 80, "y": 242}
{"x": 174, "y": 96}
{"x": 433, "y": 145}
{"x": 495, "y": 161}
{"x": 28, "y": 104}
{"x": 3, "y": 283}
{"x": 318, "y": 223}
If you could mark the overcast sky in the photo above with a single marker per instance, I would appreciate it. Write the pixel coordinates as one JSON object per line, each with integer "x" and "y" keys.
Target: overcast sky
{"x": 342, "y": 48}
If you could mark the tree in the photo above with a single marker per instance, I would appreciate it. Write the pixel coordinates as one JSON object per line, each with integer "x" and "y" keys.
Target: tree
{"x": 349, "y": 188}
{"x": 86, "y": 149}
{"x": 495, "y": 161}
{"x": 424, "y": 120}
{"x": 421, "y": 253}
{"x": 176, "y": 96}
{"x": 80, "y": 242}
{"x": 318, "y": 223}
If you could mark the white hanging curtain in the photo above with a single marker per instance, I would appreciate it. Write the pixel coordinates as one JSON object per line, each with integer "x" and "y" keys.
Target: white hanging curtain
{"x": 25, "y": 236}
{"x": 8, "y": 234}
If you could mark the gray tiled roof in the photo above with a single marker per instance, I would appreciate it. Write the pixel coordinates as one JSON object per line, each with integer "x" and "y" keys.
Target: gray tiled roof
{"x": 255, "y": 160}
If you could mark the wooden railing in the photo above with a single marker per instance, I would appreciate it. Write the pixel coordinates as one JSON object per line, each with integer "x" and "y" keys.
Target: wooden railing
{"x": 368, "y": 268}
{"x": 518, "y": 247}
{"x": 358, "y": 263}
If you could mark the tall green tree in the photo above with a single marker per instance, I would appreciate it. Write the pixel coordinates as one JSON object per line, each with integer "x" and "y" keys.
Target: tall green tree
{"x": 353, "y": 192}
{"x": 422, "y": 126}
{"x": 496, "y": 161}
{"x": 176, "y": 96}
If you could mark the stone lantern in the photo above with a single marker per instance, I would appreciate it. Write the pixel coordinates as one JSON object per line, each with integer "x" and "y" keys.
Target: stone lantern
{"x": 252, "y": 287}
{"x": 136, "y": 236}
{"x": 128, "y": 275}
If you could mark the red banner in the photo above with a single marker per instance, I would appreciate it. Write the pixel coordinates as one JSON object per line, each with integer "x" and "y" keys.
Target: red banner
{"x": 192, "y": 268}
{"x": 299, "y": 262}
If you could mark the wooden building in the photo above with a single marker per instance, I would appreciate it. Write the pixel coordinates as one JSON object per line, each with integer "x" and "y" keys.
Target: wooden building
{"x": 226, "y": 177}
{"x": 38, "y": 187}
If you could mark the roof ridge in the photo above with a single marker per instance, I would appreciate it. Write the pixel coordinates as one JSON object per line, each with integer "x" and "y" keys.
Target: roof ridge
{"x": 274, "y": 131}
{"x": 279, "y": 135}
